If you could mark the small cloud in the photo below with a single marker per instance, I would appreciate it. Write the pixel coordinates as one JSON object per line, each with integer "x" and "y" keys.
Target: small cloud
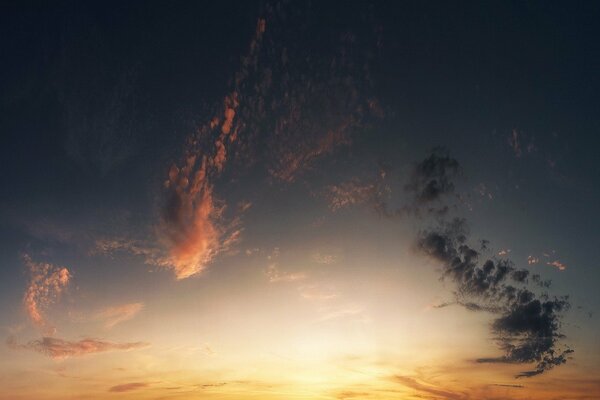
{"x": 127, "y": 387}
{"x": 327, "y": 259}
{"x": 557, "y": 264}
{"x": 117, "y": 314}
{"x": 515, "y": 143}
{"x": 274, "y": 274}
{"x": 531, "y": 260}
{"x": 317, "y": 292}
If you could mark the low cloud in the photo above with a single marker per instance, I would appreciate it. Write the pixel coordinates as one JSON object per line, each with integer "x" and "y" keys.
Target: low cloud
{"x": 46, "y": 284}
{"x": 429, "y": 390}
{"x": 127, "y": 387}
{"x": 527, "y": 326}
{"x": 60, "y": 349}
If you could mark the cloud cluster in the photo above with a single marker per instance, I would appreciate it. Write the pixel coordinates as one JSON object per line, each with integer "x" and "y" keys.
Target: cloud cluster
{"x": 354, "y": 192}
{"x": 59, "y": 349}
{"x": 527, "y": 326}
{"x": 46, "y": 284}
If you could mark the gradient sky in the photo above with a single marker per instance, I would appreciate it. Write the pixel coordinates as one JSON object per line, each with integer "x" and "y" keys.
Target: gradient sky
{"x": 299, "y": 200}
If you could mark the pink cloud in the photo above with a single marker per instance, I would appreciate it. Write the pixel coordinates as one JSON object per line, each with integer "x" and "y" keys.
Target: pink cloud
{"x": 59, "y": 349}
{"x": 46, "y": 284}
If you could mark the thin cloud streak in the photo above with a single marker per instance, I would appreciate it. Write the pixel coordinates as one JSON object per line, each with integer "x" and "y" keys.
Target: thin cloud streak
{"x": 59, "y": 349}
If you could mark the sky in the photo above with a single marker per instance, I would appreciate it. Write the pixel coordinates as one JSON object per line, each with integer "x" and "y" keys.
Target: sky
{"x": 299, "y": 200}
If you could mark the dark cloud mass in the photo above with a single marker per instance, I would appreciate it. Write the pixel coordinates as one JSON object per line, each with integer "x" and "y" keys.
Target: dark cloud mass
{"x": 526, "y": 325}
{"x": 432, "y": 177}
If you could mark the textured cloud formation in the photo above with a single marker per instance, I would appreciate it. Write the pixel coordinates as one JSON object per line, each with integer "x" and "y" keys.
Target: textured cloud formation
{"x": 117, "y": 314}
{"x": 59, "y": 349}
{"x": 354, "y": 193}
{"x": 285, "y": 110}
{"x": 527, "y": 325}
{"x": 192, "y": 227}
{"x": 127, "y": 387}
{"x": 46, "y": 284}
{"x": 432, "y": 177}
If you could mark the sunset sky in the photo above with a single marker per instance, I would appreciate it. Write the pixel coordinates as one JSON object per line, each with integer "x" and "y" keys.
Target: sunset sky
{"x": 300, "y": 200}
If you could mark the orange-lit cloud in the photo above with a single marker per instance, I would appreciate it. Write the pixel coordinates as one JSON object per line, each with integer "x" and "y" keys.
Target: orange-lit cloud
{"x": 427, "y": 390}
{"x": 557, "y": 264}
{"x": 46, "y": 284}
{"x": 59, "y": 349}
{"x": 117, "y": 314}
{"x": 192, "y": 228}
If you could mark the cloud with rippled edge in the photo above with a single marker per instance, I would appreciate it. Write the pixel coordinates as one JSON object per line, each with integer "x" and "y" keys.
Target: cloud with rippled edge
{"x": 46, "y": 284}
{"x": 60, "y": 349}
{"x": 527, "y": 325}
{"x": 192, "y": 227}
{"x": 117, "y": 314}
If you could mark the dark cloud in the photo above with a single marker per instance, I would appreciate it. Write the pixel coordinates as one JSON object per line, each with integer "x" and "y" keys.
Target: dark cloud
{"x": 127, "y": 387}
{"x": 527, "y": 325}
{"x": 432, "y": 177}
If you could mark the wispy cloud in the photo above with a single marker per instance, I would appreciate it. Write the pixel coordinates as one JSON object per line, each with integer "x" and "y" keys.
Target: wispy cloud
{"x": 428, "y": 389}
{"x": 59, "y": 349}
{"x": 127, "y": 387}
{"x": 274, "y": 274}
{"x": 117, "y": 314}
{"x": 46, "y": 284}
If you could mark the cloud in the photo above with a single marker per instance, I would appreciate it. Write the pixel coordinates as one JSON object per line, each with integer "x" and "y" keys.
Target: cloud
{"x": 46, "y": 284}
{"x": 557, "y": 264}
{"x": 318, "y": 292}
{"x": 515, "y": 143}
{"x": 192, "y": 226}
{"x": 274, "y": 274}
{"x": 59, "y": 349}
{"x": 532, "y": 260}
{"x": 127, "y": 387}
{"x": 355, "y": 192}
{"x": 527, "y": 326}
{"x": 422, "y": 388}
{"x": 432, "y": 177}
{"x": 117, "y": 314}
